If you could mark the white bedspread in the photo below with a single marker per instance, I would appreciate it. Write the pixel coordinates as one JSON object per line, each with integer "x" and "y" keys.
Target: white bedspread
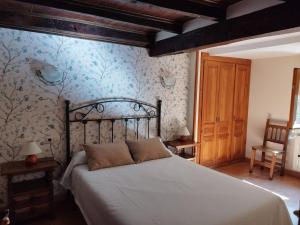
{"x": 172, "y": 191}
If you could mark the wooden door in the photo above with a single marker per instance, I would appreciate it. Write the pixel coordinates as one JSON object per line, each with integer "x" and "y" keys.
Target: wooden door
{"x": 225, "y": 112}
{"x": 209, "y": 112}
{"x": 240, "y": 111}
{"x": 223, "y": 109}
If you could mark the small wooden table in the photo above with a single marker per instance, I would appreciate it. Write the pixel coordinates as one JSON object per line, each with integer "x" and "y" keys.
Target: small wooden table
{"x": 29, "y": 198}
{"x": 180, "y": 147}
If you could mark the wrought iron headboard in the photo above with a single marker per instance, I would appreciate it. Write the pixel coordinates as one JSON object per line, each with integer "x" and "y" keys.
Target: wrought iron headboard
{"x": 149, "y": 112}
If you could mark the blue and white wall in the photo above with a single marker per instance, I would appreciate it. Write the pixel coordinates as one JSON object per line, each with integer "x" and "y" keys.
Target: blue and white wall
{"x": 32, "y": 108}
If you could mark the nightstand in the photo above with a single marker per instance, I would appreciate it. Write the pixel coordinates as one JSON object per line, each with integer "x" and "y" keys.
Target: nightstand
{"x": 180, "y": 147}
{"x": 29, "y": 198}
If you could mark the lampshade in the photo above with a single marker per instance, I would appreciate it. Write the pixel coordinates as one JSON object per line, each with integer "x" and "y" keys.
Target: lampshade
{"x": 183, "y": 131}
{"x": 30, "y": 148}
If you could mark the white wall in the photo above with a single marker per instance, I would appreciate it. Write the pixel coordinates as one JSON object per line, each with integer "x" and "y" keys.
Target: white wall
{"x": 270, "y": 93}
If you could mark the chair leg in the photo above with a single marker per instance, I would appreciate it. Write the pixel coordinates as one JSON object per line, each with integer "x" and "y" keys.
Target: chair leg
{"x": 263, "y": 157}
{"x": 282, "y": 171}
{"x": 252, "y": 161}
{"x": 273, "y": 163}
{"x": 282, "y": 164}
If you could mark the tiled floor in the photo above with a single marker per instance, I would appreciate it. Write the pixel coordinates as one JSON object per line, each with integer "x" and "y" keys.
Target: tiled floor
{"x": 287, "y": 187}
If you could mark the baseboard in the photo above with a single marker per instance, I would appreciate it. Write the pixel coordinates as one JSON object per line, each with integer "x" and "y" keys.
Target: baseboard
{"x": 224, "y": 163}
{"x": 289, "y": 172}
{"x": 230, "y": 162}
{"x": 292, "y": 173}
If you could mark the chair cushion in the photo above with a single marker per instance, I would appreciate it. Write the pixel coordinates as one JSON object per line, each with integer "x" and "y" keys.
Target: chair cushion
{"x": 266, "y": 149}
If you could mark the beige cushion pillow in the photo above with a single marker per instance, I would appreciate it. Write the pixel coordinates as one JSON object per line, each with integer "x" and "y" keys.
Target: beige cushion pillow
{"x": 148, "y": 149}
{"x": 107, "y": 155}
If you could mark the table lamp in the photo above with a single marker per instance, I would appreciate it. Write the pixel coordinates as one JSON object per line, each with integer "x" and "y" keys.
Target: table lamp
{"x": 30, "y": 149}
{"x": 183, "y": 133}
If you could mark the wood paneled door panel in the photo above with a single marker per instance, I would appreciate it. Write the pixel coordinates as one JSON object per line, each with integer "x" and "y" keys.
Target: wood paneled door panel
{"x": 210, "y": 92}
{"x": 223, "y": 109}
{"x": 240, "y": 111}
{"x": 209, "y": 113}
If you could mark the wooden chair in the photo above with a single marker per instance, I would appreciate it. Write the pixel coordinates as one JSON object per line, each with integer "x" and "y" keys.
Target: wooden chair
{"x": 272, "y": 158}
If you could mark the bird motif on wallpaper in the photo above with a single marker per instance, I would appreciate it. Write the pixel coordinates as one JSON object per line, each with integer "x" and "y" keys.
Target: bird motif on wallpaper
{"x": 46, "y": 73}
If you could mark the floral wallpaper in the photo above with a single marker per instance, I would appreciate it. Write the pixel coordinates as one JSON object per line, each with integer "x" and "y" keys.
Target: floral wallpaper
{"x": 32, "y": 104}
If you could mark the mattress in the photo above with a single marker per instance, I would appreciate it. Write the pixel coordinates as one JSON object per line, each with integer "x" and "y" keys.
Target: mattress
{"x": 171, "y": 191}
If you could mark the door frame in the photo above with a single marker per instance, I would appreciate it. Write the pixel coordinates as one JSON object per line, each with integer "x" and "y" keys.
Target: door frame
{"x": 295, "y": 86}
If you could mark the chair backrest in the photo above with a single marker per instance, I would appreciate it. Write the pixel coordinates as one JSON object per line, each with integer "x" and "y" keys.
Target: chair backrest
{"x": 277, "y": 132}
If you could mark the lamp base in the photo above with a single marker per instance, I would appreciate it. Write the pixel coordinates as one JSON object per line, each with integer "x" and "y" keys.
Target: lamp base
{"x": 31, "y": 159}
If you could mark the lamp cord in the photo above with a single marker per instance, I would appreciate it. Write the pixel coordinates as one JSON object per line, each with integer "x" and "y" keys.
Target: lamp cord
{"x": 51, "y": 150}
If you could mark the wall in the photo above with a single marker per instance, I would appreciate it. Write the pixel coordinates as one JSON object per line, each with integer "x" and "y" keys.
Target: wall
{"x": 32, "y": 105}
{"x": 270, "y": 93}
{"x": 190, "y": 111}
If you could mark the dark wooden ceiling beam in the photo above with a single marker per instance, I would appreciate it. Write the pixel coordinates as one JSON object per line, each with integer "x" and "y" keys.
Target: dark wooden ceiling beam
{"x": 276, "y": 18}
{"x": 110, "y": 13}
{"x": 198, "y": 8}
{"x": 70, "y": 29}
{"x": 52, "y": 13}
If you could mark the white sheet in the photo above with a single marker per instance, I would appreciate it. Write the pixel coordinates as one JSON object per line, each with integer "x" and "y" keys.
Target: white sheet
{"x": 172, "y": 191}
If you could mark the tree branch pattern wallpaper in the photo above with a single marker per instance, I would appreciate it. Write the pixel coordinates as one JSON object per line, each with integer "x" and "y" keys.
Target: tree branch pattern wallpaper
{"x": 32, "y": 102}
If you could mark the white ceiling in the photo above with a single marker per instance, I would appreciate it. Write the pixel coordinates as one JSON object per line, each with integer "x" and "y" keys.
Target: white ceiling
{"x": 270, "y": 52}
{"x": 277, "y": 45}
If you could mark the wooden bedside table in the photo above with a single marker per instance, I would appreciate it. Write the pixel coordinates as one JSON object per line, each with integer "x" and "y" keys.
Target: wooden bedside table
{"x": 29, "y": 198}
{"x": 180, "y": 147}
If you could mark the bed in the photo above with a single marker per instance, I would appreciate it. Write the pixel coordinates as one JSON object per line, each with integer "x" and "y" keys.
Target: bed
{"x": 169, "y": 191}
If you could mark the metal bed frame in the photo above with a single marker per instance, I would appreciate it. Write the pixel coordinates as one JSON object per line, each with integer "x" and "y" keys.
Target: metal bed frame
{"x": 146, "y": 112}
